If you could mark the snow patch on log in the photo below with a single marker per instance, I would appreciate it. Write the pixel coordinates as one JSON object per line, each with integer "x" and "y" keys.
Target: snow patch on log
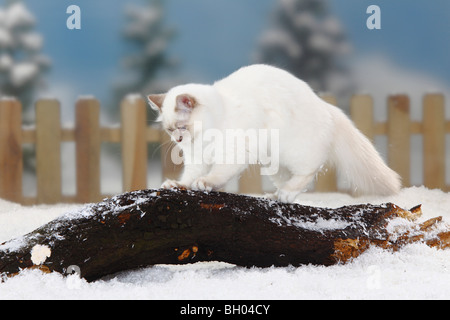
{"x": 317, "y": 225}
{"x": 114, "y": 205}
{"x": 40, "y": 253}
{"x": 13, "y": 245}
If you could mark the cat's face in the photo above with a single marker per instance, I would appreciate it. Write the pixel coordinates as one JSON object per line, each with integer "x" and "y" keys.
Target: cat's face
{"x": 176, "y": 115}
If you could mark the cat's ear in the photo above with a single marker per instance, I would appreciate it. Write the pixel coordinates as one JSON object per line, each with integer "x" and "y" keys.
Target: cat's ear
{"x": 185, "y": 103}
{"x": 156, "y": 101}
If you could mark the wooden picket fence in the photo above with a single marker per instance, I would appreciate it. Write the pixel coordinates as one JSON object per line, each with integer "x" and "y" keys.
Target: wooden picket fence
{"x": 134, "y": 135}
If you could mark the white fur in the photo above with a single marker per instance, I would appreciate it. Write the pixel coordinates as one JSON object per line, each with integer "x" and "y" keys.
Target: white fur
{"x": 311, "y": 131}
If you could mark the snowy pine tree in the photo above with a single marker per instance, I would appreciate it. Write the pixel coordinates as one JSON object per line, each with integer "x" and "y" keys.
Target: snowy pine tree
{"x": 148, "y": 38}
{"x": 308, "y": 41}
{"x": 22, "y": 64}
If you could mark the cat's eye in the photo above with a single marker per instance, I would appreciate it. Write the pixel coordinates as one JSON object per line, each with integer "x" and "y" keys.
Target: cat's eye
{"x": 178, "y": 128}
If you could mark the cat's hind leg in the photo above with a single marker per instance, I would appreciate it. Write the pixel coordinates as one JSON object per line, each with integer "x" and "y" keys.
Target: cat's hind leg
{"x": 278, "y": 179}
{"x": 293, "y": 187}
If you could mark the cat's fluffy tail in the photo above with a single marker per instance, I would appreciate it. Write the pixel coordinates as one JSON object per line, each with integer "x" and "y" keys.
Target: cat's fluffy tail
{"x": 358, "y": 162}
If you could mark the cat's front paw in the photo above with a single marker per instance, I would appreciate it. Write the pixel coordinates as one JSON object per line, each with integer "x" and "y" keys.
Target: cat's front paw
{"x": 202, "y": 184}
{"x": 172, "y": 184}
{"x": 286, "y": 196}
{"x": 270, "y": 196}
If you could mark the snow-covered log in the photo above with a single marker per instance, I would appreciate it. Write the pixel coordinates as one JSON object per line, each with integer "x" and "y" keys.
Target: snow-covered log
{"x": 149, "y": 227}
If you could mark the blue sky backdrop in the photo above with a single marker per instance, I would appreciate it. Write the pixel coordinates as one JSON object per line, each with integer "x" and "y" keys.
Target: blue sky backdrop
{"x": 215, "y": 37}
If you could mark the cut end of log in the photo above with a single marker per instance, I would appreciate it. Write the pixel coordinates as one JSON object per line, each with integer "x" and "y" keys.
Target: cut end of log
{"x": 442, "y": 241}
{"x": 347, "y": 249}
{"x": 413, "y": 214}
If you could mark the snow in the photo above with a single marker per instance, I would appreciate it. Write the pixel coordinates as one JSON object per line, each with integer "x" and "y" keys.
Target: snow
{"x": 23, "y": 72}
{"x": 5, "y": 59}
{"x": 5, "y": 38}
{"x": 317, "y": 225}
{"x": 8, "y": 98}
{"x": 39, "y": 254}
{"x": 414, "y": 272}
{"x": 20, "y": 61}
{"x": 17, "y": 15}
{"x": 281, "y": 39}
{"x": 133, "y": 97}
{"x": 86, "y": 97}
{"x": 32, "y": 41}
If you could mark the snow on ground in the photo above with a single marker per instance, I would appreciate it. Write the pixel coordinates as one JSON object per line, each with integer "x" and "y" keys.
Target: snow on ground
{"x": 414, "y": 272}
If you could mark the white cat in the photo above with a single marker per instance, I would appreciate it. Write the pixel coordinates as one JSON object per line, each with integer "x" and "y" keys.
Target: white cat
{"x": 312, "y": 133}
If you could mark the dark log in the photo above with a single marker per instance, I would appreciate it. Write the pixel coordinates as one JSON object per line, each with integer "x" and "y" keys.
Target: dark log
{"x": 150, "y": 227}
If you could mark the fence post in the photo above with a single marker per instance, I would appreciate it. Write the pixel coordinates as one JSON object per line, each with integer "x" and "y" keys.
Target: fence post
{"x": 399, "y": 145}
{"x": 434, "y": 141}
{"x": 48, "y": 152}
{"x": 327, "y": 180}
{"x": 251, "y": 181}
{"x": 361, "y": 110}
{"x": 134, "y": 144}
{"x": 87, "y": 137}
{"x": 11, "y": 161}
